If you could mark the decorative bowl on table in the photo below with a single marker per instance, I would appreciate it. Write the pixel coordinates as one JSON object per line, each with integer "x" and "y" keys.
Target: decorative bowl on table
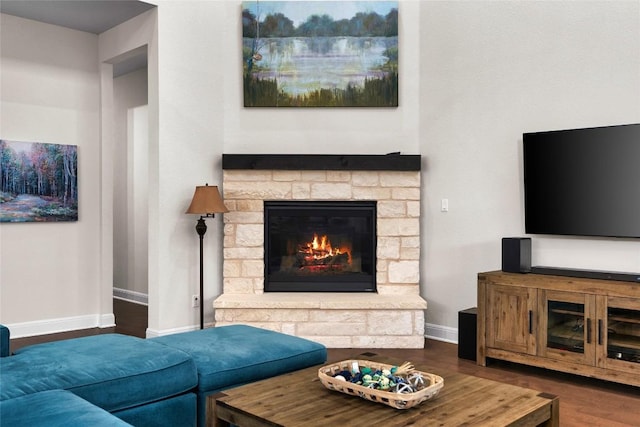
{"x": 401, "y": 387}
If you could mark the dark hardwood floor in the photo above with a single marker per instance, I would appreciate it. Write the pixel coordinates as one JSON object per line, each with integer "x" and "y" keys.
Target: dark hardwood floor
{"x": 584, "y": 402}
{"x": 131, "y": 319}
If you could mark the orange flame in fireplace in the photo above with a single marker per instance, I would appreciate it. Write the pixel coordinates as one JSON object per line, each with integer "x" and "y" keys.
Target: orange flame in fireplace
{"x": 320, "y": 248}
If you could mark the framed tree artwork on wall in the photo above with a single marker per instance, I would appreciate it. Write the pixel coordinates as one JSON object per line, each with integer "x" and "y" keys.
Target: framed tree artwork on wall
{"x": 320, "y": 53}
{"x": 39, "y": 182}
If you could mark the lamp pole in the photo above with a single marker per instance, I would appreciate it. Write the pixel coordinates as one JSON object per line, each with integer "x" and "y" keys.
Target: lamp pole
{"x": 201, "y": 229}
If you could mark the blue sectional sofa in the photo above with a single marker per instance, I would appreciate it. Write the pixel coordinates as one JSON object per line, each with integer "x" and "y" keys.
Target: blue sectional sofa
{"x": 55, "y": 408}
{"x": 162, "y": 381}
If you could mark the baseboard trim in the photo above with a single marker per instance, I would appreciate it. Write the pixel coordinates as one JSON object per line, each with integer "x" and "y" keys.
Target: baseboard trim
{"x": 441, "y": 333}
{"x": 131, "y": 296}
{"x": 64, "y": 324}
{"x": 107, "y": 321}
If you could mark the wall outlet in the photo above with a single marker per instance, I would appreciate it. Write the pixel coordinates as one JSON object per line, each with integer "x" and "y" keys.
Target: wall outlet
{"x": 195, "y": 301}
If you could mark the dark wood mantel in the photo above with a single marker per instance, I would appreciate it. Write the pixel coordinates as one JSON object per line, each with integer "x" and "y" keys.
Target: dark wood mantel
{"x": 359, "y": 162}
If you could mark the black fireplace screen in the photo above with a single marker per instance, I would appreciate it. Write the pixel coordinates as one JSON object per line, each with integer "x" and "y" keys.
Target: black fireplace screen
{"x": 320, "y": 246}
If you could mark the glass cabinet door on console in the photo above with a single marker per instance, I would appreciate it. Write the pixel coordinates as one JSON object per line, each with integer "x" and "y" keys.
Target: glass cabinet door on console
{"x": 567, "y": 326}
{"x": 619, "y": 335}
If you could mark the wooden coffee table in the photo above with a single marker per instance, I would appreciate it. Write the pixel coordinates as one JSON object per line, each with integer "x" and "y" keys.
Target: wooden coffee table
{"x": 299, "y": 399}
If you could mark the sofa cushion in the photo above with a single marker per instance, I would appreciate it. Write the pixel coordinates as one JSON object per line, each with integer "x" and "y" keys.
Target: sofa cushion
{"x": 4, "y": 341}
{"x": 55, "y": 408}
{"x": 111, "y": 371}
{"x": 237, "y": 354}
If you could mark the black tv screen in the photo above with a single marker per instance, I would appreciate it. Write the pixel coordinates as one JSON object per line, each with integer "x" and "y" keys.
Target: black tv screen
{"x": 583, "y": 182}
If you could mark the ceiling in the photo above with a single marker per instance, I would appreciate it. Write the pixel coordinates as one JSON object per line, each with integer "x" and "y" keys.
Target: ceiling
{"x": 92, "y": 16}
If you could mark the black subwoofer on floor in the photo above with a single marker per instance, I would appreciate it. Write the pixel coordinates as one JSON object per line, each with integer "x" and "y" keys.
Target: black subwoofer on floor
{"x": 467, "y": 321}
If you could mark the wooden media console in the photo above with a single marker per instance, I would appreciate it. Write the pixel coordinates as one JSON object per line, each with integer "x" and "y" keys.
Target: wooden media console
{"x": 583, "y": 326}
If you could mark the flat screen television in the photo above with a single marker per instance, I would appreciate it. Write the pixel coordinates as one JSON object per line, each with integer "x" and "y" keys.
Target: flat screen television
{"x": 583, "y": 182}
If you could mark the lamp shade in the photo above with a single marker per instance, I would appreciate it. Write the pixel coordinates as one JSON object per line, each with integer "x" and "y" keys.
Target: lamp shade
{"x": 207, "y": 200}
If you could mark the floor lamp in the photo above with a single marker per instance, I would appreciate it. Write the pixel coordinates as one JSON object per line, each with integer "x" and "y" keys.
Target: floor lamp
{"x": 206, "y": 202}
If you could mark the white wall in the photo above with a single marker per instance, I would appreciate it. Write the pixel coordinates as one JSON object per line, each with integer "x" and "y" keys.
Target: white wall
{"x": 192, "y": 55}
{"x": 325, "y": 130}
{"x": 129, "y": 187}
{"x": 491, "y": 71}
{"x": 117, "y": 44}
{"x": 474, "y": 76}
{"x": 50, "y": 93}
{"x": 138, "y": 202}
{"x": 186, "y": 117}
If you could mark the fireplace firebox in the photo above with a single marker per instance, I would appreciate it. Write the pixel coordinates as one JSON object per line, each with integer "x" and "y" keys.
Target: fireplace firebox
{"x": 320, "y": 246}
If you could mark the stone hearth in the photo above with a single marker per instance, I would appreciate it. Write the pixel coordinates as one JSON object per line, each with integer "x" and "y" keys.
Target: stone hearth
{"x": 391, "y": 318}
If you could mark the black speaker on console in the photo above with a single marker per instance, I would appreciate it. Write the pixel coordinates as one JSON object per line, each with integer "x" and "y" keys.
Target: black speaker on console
{"x": 516, "y": 254}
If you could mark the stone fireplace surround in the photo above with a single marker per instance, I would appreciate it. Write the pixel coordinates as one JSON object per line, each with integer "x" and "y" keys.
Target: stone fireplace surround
{"x": 391, "y": 318}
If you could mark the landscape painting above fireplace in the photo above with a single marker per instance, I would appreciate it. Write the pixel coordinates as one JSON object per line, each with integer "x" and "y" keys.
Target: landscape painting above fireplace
{"x": 320, "y": 53}
{"x": 320, "y": 246}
